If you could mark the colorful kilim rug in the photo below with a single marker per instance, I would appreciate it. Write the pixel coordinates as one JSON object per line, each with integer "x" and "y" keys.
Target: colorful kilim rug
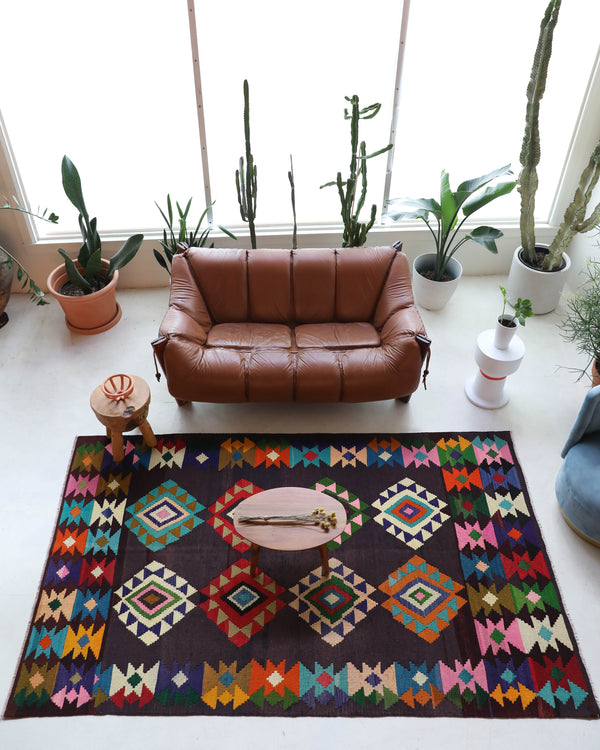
{"x": 440, "y": 601}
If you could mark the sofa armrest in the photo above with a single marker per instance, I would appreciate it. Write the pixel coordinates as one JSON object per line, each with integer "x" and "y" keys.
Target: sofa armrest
{"x": 180, "y": 323}
{"x": 400, "y": 324}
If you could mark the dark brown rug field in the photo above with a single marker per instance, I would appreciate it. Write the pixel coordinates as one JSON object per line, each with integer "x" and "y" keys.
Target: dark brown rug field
{"x": 440, "y": 601}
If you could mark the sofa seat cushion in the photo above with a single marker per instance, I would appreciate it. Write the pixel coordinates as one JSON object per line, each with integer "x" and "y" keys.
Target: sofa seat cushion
{"x": 250, "y": 336}
{"x": 337, "y": 336}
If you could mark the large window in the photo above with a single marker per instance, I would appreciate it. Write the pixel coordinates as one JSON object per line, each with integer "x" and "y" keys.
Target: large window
{"x": 111, "y": 84}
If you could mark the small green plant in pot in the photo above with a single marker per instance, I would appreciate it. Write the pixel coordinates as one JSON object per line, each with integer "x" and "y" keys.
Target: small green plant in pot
{"x": 506, "y": 326}
{"x": 175, "y": 240}
{"x": 521, "y": 311}
{"x": 581, "y": 323}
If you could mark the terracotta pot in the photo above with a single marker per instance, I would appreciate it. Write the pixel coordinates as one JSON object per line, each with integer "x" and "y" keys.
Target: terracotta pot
{"x": 90, "y": 313}
{"x": 543, "y": 288}
{"x": 595, "y": 373}
{"x": 434, "y": 295}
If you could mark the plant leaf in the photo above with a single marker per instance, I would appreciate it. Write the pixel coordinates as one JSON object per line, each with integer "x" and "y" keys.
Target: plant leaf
{"x": 469, "y": 186}
{"x": 124, "y": 255}
{"x": 72, "y": 185}
{"x": 448, "y": 204}
{"x": 73, "y": 272}
{"x": 487, "y": 237}
{"x": 482, "y": 197}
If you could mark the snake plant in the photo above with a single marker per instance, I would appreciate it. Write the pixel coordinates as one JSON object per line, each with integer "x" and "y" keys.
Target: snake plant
{"x": 88, "y": 274}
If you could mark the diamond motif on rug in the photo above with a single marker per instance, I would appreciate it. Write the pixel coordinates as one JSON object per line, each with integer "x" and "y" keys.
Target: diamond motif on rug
{"x": 410, "y": 512}
{"x": 422, "y": 598}
{"x": 355, "y": 515}
{"x": 153, "y": 601}
{"x": 223, "y": 510}
{"x": 241, "y": 605}
{"x": 333, "y": 606}
{"x": 164, "y": 515}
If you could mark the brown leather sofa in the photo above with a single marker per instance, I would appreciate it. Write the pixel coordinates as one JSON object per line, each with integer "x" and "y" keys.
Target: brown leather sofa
{"x": 313, "y": 325}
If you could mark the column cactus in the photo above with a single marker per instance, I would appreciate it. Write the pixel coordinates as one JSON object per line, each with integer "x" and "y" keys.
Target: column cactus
{"x": 530, "y": 149}
{"x": 574, "y": 220}
{"x": 245, "y": 176}
{"x": 355, "y": 231}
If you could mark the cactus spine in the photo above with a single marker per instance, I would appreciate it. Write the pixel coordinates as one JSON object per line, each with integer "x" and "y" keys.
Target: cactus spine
{"x": 530, "y": 149}
{"x": 245, "y": 178}
{"x": 574, "y": 220}
{"x": 355, "y": 231}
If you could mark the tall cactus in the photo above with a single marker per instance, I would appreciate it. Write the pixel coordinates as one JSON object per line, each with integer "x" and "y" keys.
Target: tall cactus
{"x": 245, "y": 178}
{"x": 530, "y": 149}
{"x": 574, "y": 220}
{"x": 293, "y": 198}
{"x": 355, "y": 231}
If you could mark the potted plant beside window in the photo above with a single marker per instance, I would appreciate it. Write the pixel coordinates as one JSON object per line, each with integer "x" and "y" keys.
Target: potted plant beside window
{"x": 539, "y": 271}
{"x": 86, "y": 287}
{"x": 8, "y": 260}
{"x": 436, "y": 274}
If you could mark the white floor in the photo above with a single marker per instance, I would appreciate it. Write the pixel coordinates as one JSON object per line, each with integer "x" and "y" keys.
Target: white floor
{"x": 47, "y": 375}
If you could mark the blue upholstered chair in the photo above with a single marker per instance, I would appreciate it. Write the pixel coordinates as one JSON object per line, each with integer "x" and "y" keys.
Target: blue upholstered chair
{"x": 578, "y": 480}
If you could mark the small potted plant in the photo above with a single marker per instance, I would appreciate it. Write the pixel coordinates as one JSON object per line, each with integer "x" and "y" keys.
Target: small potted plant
{"x": 174, "y": 241}
{"x": 581, "y": 324}
{"x": 8, "y": 260}
{"x": 507, "y": 324}
{"x": 86, "y": 287}
{"x": 436, "y": 274}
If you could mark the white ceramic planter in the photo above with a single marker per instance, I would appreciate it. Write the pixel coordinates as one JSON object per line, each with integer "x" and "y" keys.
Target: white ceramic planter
{"x": 543, "y": 288}
{"x": 503, "y": 335}
{"x": 434, "y": 295}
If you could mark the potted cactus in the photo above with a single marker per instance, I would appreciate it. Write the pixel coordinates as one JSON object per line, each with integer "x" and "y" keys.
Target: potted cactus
{"x": 539, "y": 271}
{"x": 355, "y": 231}
{"x": 86, "y": 287}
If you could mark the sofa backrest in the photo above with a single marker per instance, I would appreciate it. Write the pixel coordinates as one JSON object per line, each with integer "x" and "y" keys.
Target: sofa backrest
{"x": 310, "y": 285}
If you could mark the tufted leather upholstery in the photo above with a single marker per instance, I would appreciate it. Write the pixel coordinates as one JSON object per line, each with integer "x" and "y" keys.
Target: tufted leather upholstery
{"x": 315, "y": 325}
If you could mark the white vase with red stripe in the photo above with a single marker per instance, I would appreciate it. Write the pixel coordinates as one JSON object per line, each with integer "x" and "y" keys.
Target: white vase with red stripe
{"x": 487, "y": 388}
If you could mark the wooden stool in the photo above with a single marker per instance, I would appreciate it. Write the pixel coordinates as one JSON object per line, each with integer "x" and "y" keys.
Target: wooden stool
{"x": 121, "y": 404}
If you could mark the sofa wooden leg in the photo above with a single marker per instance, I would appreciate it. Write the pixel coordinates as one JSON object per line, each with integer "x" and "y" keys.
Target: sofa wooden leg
{"x": 180, "y": 402}
{"x": 404, "y": 399}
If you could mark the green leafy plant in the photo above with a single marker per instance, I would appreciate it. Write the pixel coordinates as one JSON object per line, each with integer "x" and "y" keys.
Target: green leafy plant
{"x": 245, "y": 177}
{"x": 88, "y": 275}
{"x": 522, "y": 310}
{"x": 470, "y": 196}
{"x": 581, "y": 323}
{"x": 352, "y": 202}
{"x": 175, "y": 240}
{"x": 36, "y": 295}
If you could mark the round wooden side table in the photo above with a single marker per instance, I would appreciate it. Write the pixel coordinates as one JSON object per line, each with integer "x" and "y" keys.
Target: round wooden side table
{"x": 270, "y": 529}
{"x": 124, "y": 413}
